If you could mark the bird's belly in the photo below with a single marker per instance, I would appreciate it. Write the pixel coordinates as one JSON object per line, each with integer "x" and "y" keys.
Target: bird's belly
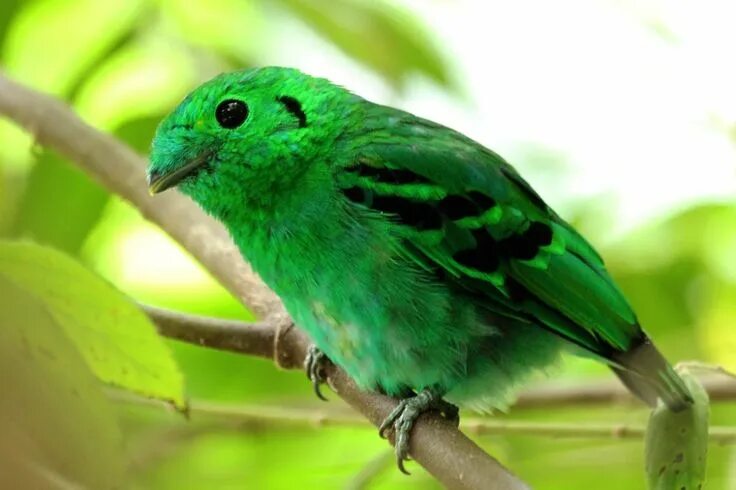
{"x": 376, "y": 358}
{"x": 392, "y": 334}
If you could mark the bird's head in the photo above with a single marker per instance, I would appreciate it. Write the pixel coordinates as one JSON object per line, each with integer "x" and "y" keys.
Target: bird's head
{"x": 246, "y": 137}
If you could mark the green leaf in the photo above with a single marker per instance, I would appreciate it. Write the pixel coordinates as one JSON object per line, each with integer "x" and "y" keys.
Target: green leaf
{"x": 142, "y": 79}
{"x": 54, "y": 184}
{"x": 715, "y": 325}
{"x": 385, "y": 38}
{"x": 677, "y": 443}
{"x": 116, "y": 339}
{"x": 8, "y": 9}
{"x": 54, "y": 419}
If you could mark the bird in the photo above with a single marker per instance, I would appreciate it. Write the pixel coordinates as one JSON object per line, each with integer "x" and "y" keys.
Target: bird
{"x": 415, "y": 258}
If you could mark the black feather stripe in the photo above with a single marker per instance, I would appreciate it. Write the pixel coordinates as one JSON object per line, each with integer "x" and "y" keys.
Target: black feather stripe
{"x": 457, "y": 207}
{"x": 356, "y": 194}
{"x": 386, "y": 175}
{"x": 483, "y": 201}
{"x": 487, "y": 253}
{"x": 417, "y": 214}
{"x": 526, "y": 245}
{"x": 483, "y": 257}
{"x": 538, "y": 233}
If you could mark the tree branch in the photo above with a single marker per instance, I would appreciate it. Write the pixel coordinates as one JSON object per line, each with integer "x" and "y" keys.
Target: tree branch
{"x": 259, "y": 339}
{"x": 446, "y": 453}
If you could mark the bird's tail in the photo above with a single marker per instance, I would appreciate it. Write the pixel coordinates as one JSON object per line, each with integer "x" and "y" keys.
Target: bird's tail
{"x": 649, "y": 376}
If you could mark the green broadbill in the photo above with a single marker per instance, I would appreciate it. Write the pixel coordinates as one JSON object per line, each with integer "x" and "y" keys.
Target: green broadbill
{"x": 416, "y": 259}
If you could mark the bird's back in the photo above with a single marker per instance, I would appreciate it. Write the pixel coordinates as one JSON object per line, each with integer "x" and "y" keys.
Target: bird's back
{"x": 473, "y": 224}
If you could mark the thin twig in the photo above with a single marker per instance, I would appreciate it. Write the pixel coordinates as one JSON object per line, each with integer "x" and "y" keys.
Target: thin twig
{"x": 719, "y": 388}
{"x": 436, "y": 444}
{"x": 371, "y": 471}
{"x": 290, "y": 417}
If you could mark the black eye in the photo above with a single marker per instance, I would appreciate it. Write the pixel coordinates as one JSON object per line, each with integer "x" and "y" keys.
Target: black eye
{"x": 231, "y": 113}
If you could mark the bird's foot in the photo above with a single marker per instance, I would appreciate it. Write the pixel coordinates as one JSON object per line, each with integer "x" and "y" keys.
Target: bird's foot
{"x": 314, "y": 365}
{"x": 403, "y": 417}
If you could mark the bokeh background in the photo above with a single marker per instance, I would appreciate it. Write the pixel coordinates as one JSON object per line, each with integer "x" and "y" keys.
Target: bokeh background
{"x": 622, "y": 113}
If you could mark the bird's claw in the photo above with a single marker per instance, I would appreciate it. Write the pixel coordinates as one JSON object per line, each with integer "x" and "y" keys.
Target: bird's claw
{"x": 402, "y": 419}
{"x": 314, "y": 365}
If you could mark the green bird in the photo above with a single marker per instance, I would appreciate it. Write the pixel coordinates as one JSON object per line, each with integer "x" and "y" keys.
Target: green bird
{"x": 416, "y": 259}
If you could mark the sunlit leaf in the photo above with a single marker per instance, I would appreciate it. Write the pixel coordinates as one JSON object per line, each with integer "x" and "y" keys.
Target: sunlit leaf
{"x": 716, "y": 326}
{"x": 379, "y": 35}
{"x": 704, "y": 232}
{"x": 144, "y": 79}
{"x": 116, "y": 339}
{"x": 58, "y": 429}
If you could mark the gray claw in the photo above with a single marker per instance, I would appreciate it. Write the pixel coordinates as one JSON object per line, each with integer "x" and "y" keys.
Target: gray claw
{"x": 402, "y": 419}
{"x": 314, "y": 365}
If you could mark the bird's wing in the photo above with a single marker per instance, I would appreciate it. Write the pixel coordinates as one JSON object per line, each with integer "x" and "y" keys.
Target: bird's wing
{"x": 470, "y": 217}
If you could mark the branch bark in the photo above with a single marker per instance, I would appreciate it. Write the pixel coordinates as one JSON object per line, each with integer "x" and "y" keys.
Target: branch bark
{"x": 444, "y": 451}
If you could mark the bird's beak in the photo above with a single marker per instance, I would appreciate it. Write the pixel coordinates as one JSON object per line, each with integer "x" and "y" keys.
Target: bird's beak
{"x": 159, "y": 181}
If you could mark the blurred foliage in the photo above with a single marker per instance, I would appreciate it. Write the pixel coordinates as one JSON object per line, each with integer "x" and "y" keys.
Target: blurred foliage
{"x": 384, "y": 38}
{"x": 123, "y": 64}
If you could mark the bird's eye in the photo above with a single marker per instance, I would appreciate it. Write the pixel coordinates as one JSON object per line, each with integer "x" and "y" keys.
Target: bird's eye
{"x": 231, "y": 113}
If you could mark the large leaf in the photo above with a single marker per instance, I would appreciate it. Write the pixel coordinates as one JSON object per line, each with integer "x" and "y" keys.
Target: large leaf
{"x": 379, "y": 35}
{"x": 118, "y": 341}
{"x": 58, "y": 428}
